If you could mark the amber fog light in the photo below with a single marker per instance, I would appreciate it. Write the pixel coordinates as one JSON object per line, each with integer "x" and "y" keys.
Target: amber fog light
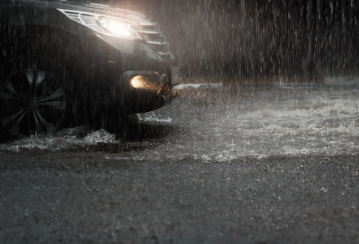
{"x": 138, "y": 81}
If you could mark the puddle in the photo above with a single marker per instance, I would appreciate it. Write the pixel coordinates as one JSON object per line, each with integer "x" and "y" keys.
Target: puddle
{"x": 221, "y": 125}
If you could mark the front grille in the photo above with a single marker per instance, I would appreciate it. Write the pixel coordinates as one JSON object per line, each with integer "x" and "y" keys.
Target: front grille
{"x": 155, "y": 39}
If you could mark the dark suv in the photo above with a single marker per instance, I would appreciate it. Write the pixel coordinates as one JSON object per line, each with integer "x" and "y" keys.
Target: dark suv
{"x": 65, "y": 64}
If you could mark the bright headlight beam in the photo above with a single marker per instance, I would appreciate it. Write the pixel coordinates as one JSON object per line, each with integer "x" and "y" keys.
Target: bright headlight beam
{"x": 116, "y": 28}
{"x": 106, "y": 25}
{"x": 138, "y": 82}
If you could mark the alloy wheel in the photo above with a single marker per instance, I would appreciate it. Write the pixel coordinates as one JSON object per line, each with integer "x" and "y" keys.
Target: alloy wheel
{"x": 32, "y": 101}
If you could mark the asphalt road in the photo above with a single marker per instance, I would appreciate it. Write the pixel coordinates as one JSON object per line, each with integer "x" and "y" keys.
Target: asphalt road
{"x": 195, "y": 171}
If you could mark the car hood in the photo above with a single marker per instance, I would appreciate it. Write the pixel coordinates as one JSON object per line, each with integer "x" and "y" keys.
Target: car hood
{"x": 87, "y": 6}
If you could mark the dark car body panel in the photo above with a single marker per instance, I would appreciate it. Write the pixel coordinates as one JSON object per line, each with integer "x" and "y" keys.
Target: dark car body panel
{"x": 102, "y": 59}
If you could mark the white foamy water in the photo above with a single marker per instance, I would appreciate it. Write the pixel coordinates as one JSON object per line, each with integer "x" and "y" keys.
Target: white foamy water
{"x": 319, "y": 122}
{"x": 153, "y": 117}
{"x": 62, "y": 141}
{"x": 196, "y": 85}
{"x": 217, "y": 127}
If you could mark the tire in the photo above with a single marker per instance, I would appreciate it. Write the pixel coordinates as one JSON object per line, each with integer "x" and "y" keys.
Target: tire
{"x": 36, "y": 97}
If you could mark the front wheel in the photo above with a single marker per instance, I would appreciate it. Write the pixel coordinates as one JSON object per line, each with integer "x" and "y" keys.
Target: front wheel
{"x": 34, "y": 96}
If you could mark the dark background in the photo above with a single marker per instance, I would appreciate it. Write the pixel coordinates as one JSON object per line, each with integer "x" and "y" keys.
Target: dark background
{"x": 234, "y": 40}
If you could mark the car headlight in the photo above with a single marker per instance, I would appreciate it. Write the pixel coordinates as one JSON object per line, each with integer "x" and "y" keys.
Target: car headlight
{"x": 138, "y": 81}
{"x": 106, "y": 25}
{"x": 147, "y": 81}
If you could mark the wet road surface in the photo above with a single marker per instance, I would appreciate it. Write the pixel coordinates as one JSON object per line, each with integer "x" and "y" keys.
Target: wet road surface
{"x": 218, "y": 165}
{"x": 226, "y": 123}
